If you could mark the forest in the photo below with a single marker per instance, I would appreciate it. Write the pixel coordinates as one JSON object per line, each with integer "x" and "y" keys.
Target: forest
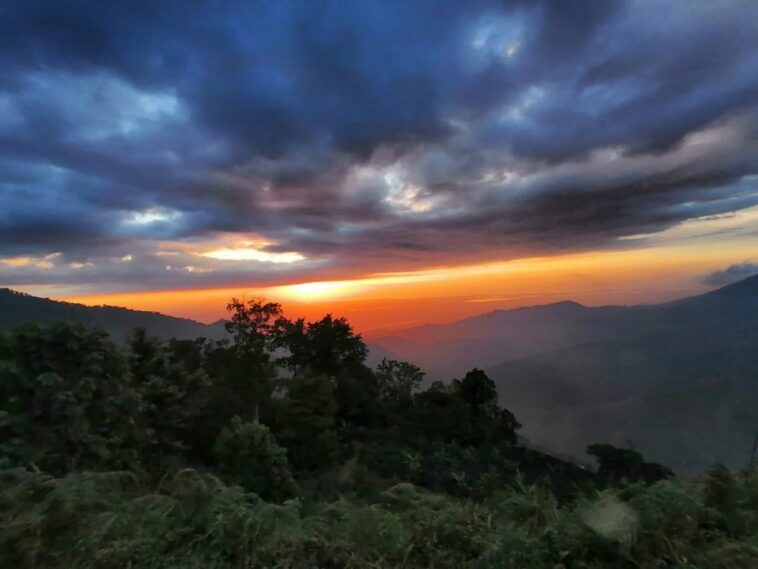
{"x": 278, "y": 446}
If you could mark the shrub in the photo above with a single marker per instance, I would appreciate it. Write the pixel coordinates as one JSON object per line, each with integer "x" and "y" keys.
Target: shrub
{"x": 247, "y": 454}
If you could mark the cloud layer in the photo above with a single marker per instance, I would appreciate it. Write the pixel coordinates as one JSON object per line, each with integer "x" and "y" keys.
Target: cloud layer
{"x": 323, "y": 139}
{"x": 732, "y": 274}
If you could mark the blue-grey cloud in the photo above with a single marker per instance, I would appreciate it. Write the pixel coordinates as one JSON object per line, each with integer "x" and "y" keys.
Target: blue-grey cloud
{"x": 363, "y": 134}
{"x": 731, "y": 274}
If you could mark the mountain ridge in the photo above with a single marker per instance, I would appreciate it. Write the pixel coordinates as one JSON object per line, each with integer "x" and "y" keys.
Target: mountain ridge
{"x": 585, "y": 367}
{"x": 18, "y": 308}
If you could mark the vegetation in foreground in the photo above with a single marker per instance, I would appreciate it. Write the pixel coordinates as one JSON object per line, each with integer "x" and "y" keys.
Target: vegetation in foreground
{"x": 280, "y": 448}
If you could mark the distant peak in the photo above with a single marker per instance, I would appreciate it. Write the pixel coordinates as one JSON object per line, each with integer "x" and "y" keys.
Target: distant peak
{"x": 560, "y": 305}
{"x": 567, "y": 303}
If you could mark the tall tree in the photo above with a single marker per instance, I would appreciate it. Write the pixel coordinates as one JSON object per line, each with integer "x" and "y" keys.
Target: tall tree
{"x": 326, "y": 346}
{"x": 166, "y": 387}
{"x": 252, "y": 324}
{"x": 478, "y": 390}
{"x": 308, "y": 425}
{"x": 247, "y": 363}
{"x": 66, "y": 401}
{"x": 397, "y": 380}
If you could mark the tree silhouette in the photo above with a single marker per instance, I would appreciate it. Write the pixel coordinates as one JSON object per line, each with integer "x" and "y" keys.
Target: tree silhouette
{"x": 477, "y": 389}
{"x": 398, "y": 380}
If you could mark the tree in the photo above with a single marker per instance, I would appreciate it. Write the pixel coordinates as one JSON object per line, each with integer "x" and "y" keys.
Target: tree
{"x": 293, "y": 337}
{"x": 334, "y": 345}
{"x": 326, "y": 347}
{"x": 440, "y": 414}
{"x": 506, "y": 425}
{"x": 244, "y": 369}
{"x": 488, "y": 421}
{"x": 478, "y": 390}
{"x": 614, "y": 464}
{"x": 237, "y": 383}
{"x": 248, "y": 454}
{"x": 166, "y": 386}
{"x": 357, "y": 397}
{"x": 252, "y": 325}
{"x": 396, "y": 380}
{"x": 617, "y": 465}
{"x": 65, "y": 400}
{"x": 307, "y": 427}
{"x": 331, "y": 349}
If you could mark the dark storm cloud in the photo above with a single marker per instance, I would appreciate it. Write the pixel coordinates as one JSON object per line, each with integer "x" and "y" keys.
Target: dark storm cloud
{"x": 731, "y": 274}
{"x": 363, "y": 135}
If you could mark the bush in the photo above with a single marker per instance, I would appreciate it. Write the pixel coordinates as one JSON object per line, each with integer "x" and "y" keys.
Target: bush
{"x": 247, "y": 454}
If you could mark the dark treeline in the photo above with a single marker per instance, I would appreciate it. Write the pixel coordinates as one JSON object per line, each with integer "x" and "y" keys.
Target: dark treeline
{"x": 279, "y": 447}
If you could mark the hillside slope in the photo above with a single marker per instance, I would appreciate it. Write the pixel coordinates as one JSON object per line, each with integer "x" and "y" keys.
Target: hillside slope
{"x": 17, "y": 308}
{"x": 670, "y": 378}
{"x": 449, "y": 350}
{"x": 689, "y": 428}
{"x": 678, "y": 381}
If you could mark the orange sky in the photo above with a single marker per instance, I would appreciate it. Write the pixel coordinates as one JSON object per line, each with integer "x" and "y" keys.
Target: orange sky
{"x": 386, "y": 301}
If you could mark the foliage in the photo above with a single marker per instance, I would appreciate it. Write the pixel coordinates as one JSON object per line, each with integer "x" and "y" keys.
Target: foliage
{"x": 251, "y": 324}
{"x": 398, "y": 381}
{"x": 109, "y": 521}
{"x": 65, "y": 403}
{"x": 325, "y": 347}
{"x": 247, "y": 454}
{"x": 188, "y": 453}
{"x": 617, "y": 465}
{"x": 166, "y": 384}
{"x": 476, "y": 389}
{"x": 307, "y": 426}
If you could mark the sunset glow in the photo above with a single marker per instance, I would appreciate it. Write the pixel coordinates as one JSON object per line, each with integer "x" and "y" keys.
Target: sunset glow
{"x": 390, "y": 300}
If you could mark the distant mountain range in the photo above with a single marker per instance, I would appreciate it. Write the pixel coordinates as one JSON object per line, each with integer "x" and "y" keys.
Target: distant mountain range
{"x": 18, "y": 308}
{"x": 678, "y": 381}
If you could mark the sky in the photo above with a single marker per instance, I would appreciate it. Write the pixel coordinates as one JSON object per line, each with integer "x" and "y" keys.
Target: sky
{"x": 396, "y": 162}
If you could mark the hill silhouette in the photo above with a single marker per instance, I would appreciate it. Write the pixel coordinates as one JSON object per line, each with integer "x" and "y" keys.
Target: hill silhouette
{"x": 19, "y": 308}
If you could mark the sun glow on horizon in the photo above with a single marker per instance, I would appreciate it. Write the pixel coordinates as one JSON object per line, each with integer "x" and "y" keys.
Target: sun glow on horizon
{"x": 316, "y": 291}
{"x": 444, "y": 293}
